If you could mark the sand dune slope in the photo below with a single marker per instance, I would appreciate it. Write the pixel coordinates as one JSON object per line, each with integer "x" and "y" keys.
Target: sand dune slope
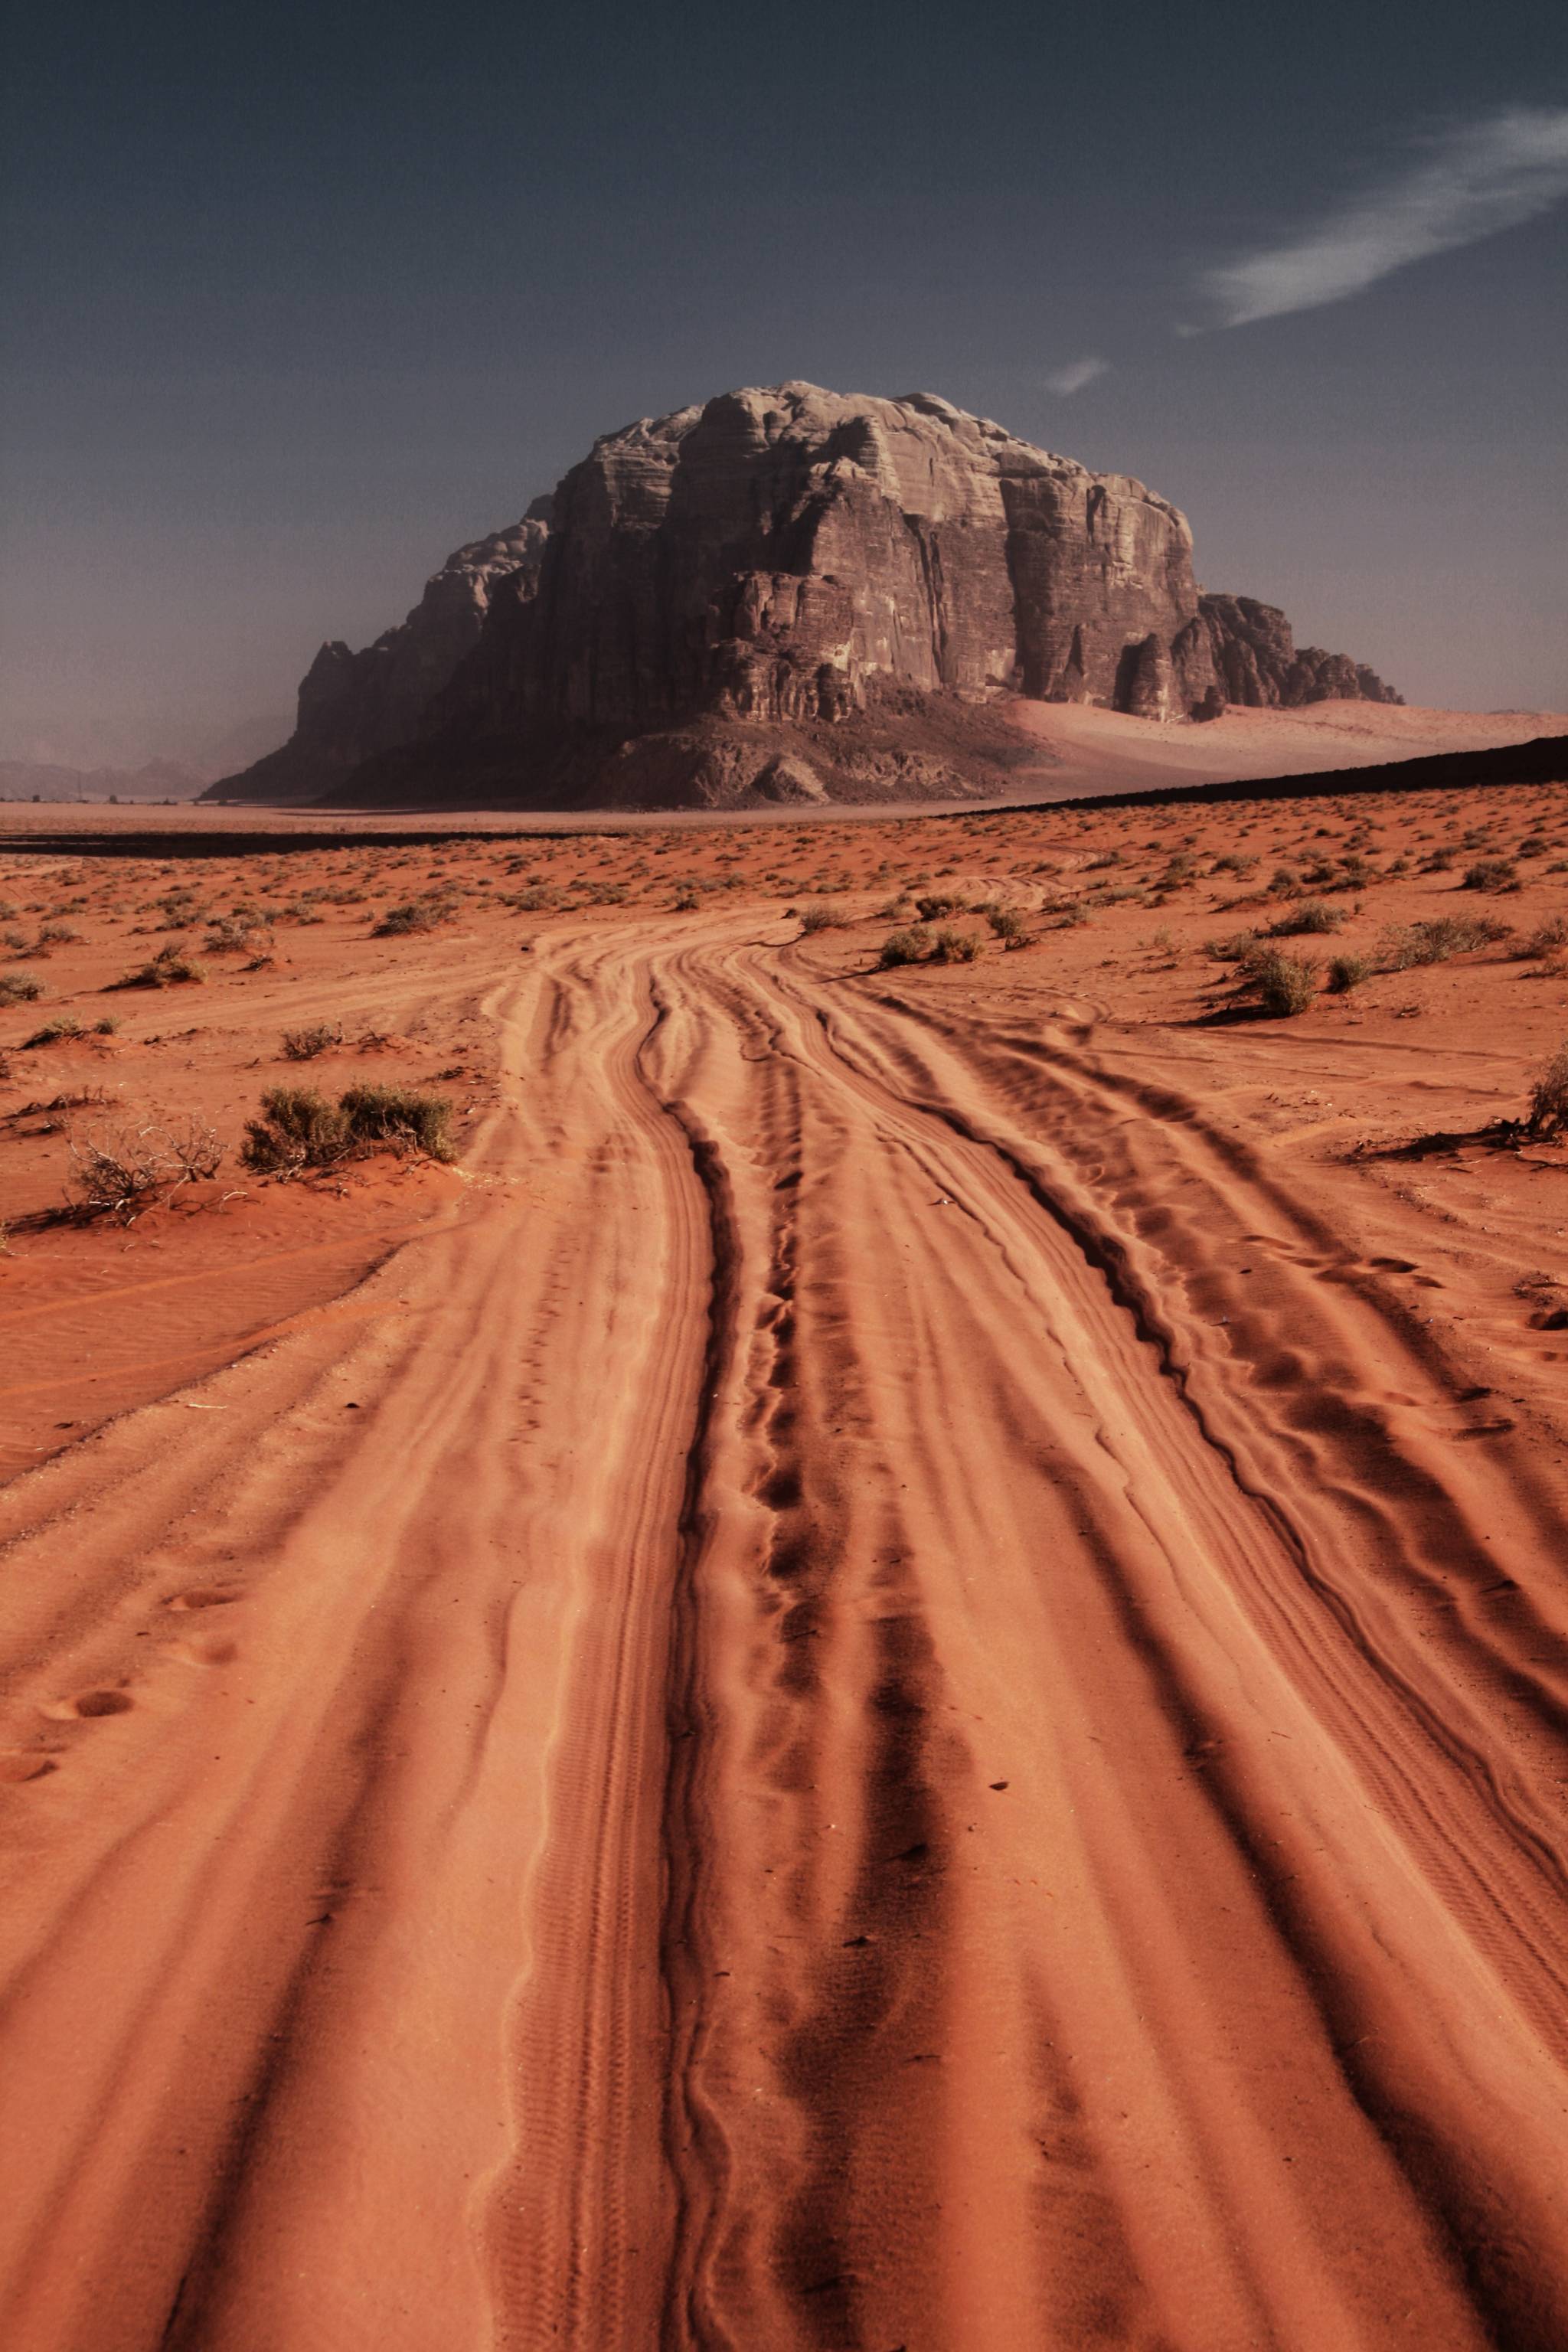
{"x": 865, "y": 1710}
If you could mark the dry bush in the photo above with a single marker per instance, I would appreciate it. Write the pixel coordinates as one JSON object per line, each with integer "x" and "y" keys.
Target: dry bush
{"x": 1491, "y": 873}
{"x": 58, "y": 1032}
{"x": 299, "y": 1129}
{"x": 236, "y": 936}
{"x": 816, "y": 915}
{"x": 119, "y": 1172}
{"x": 1549, "y": 1098}
{"x": 954, "y": 947}
{"x": 1435, "y": 943}
{"x": 19, "y": 988}
{"x": 172, "y": 967}
{"x": 304, "y": 1044}
{"x": 1313, "y": 915}
{"x": 1282, "y": 984}
{"x": 1347, "y": 971}
{"x": 1545, "y": 941}
{"x": 415, "y": 914}
{"x": 1007, "y": 925}
{"x": 904, "y": 947}
{"x": 399, "y": 1117}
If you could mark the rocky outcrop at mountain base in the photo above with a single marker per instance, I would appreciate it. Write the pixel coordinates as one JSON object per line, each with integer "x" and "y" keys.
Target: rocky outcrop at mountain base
{"x": 903, "y": 745}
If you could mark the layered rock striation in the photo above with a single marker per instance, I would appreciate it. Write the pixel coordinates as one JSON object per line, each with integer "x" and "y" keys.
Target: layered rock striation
{"x": 791, "y": 584}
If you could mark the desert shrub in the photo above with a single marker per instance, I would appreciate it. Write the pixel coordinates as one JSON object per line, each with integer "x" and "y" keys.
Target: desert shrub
{"x": 1532, "y": 845}
{"x": 897, "y": 910}
{"x": 1241, "y": 863}
{"x": 304, "y": 1044}
{"x": 1347, "y": 971}
{"x": 685, "y": 902}
{"x": 1545, "y": 941}
{"x": 816, "y": 916}
{"x": 937, "y": 903}
{"x": 1434, "y": 942}
{"x": 172, "y": 967}
{"x": 1491, "y": 873}
{"x": 19, "y": 988}
{"x": 60, "y": 1031}
{"x": 904, "y": 947}
{"x": 414, "y": 915}
{"x": 55, "y": 935}
{"x": 235, "y": 936}
{"x": 1282, "y": 984}
{"x": 124, "y": 1171}
{"x": 299, "y": 1129}
{"x": 1549, "y": 1096}
{"x": 1007, "y": 925}
{"x": 398, "y": 1116}
{"x": 1233, "y": 949}
{"x": 954, "y": 947}
{"x": 1313, "y": 915}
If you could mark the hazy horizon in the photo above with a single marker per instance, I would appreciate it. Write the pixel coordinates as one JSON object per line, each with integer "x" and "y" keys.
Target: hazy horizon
{"x": 299, "y": 307}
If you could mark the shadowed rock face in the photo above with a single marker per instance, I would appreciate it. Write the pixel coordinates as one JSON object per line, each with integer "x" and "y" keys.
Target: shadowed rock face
{"x": 355, "y": 706}
{"x": 787, "y": 559}
{"x": 1258, "y": 662}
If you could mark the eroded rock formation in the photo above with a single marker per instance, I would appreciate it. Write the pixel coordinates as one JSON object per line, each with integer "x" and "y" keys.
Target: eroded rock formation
{"x": 354, "y": 706}
{"x": 709, "y": 591}
{"x": 1258, "y": 662}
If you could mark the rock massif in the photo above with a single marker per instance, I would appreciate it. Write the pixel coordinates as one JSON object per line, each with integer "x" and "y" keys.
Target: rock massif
{"x": 786, "y": 594}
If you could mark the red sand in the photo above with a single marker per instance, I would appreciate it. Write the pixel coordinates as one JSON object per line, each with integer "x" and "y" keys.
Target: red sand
{"x": 901, "y": 1678}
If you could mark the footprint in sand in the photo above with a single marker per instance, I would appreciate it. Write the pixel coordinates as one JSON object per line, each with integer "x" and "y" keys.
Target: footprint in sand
{"x": 203, "y": 1654}
{"x": 203, "y": 1596}
{"x": 89, "y": 1703}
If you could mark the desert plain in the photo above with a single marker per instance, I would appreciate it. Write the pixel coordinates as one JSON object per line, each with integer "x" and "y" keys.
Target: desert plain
{"x": 890, "y": 1671}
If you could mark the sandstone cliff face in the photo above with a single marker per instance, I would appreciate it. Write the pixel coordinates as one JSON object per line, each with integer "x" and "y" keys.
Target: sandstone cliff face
{"x": 1258, "y": 662}
{"x": 354, "y": 706}
{"x": 770, "y": 555}
{"x": 787, "y": 559}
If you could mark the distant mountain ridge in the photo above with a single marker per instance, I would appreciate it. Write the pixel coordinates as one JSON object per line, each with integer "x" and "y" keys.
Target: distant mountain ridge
{"x": 785, "y": 593}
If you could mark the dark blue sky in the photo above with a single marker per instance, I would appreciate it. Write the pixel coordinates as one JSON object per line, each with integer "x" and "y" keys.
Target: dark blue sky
{"x": 300, "y": 298}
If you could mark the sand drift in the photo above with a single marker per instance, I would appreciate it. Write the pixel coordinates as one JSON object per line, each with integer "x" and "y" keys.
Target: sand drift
{"x": 854, "y": 1714}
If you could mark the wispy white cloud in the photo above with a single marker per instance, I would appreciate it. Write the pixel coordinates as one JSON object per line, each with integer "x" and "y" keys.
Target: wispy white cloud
{"x": 1075, "y": 375}
{"x": 1463, "y": 185}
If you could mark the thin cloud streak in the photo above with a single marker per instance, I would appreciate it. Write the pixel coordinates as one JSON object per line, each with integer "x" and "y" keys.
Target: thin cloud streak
{"x": 1072, "y": 378}
{"x": 1470, "y": 182}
